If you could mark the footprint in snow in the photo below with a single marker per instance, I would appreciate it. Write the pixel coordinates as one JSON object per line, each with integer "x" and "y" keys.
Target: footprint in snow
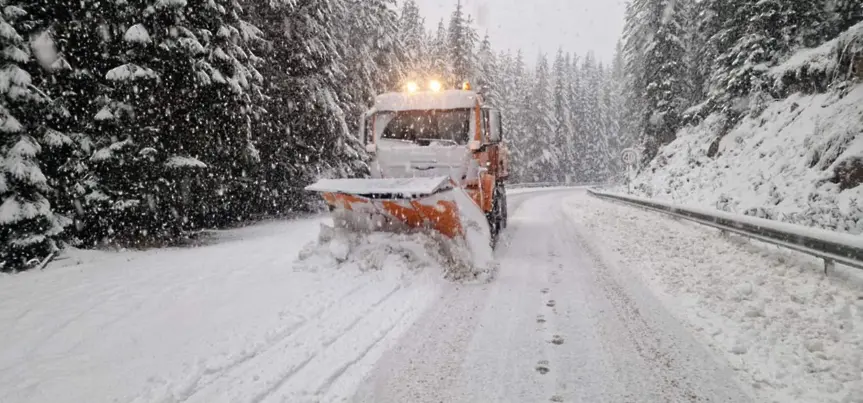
{"x": 551, "y": 303}
{"x": 556, "y": 398}
{"x": 542, "y": 367}
{"x": 557, "y": 340}
{"x": 544, "y": 291}
{"x": 540, "y": 319}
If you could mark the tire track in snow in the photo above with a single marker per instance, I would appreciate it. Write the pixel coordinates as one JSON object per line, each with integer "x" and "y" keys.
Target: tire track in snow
{"x": 270, "y": 390}
{"x": 341, "y": 370}
{"x": 104, "y": 297}
{"x": 409, "y": 369}
{"x": 360, "y": 318}
{"x": 212, "y": 372}
{"x": 334, "y": 374}
{"x": 56, "y": 330}
{"x": 266, "y": 370}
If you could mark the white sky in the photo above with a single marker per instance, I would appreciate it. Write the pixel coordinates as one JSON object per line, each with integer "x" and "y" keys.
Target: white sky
{"x": 540, "y": 25}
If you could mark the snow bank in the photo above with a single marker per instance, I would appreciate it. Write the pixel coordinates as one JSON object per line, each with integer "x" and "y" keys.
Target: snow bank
{"x": 791, "y": 333}
{"x": 800, "y": 161}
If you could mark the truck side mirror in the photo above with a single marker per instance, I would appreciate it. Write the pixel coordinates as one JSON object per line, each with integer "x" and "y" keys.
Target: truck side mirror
{"x": 496, "y": 130}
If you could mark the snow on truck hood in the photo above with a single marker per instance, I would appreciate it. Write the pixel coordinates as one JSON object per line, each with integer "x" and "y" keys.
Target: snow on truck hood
{"x": 424, "y": 101}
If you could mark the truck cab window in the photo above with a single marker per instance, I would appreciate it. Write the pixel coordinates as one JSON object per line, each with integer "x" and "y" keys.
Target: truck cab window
{"x": 449, "y": 126}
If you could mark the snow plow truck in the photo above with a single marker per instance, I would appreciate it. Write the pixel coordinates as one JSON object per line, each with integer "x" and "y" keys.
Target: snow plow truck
{"x": 438, "y": 164}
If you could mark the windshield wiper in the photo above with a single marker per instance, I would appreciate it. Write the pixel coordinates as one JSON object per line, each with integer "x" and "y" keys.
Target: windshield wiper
{"x": 427, "y": 141}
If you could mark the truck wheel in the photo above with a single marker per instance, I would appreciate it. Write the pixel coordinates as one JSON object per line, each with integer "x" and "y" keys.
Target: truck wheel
{"x": 497, "y": 216}
{"x": 505, "y": 206}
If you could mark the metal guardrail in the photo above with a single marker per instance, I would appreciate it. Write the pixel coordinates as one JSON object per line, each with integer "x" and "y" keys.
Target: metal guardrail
{"x": 550, "y": 184}
{"x": 831, "y": 246}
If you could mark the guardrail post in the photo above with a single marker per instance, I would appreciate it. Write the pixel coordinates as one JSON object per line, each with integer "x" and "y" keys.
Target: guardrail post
{"x": 829, "y": 264}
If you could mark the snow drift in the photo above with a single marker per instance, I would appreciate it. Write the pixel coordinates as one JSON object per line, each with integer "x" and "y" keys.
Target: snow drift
{"x": 798, "y": 161}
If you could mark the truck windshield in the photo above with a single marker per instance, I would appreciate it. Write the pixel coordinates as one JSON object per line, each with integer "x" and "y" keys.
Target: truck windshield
{"x": 425, "y": 127}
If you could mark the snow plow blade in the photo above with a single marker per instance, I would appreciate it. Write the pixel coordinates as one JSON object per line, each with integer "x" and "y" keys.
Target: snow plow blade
{"x": 397, "y": 204}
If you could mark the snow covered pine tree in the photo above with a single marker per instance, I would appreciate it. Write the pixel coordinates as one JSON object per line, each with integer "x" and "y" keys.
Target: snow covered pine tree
{"x": 655, "y": 54}
{"x": 28, "y": 226}
{"x": 462, "y": 39}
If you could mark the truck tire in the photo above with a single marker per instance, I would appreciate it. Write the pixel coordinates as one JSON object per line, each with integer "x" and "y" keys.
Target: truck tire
{"x": 497, "y": 217}
{"x": 505, "y": 206}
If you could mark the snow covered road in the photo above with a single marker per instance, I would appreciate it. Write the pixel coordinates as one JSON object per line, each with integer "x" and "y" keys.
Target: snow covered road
{"x": 594, "y": 302}
{"x": 556, "y": 325}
